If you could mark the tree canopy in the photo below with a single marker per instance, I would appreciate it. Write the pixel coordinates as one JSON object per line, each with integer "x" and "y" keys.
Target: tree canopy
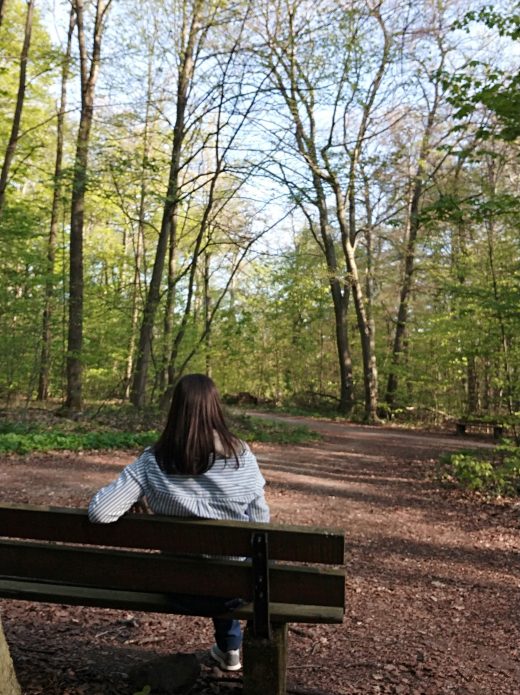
{"x": 314, "y": 202}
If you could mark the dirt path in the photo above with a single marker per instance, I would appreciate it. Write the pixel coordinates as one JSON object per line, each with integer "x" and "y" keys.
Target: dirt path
{"x": 432, "y": 589}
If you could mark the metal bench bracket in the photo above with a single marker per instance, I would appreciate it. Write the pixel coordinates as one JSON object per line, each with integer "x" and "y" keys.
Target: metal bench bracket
{"x": 260, "y": 556}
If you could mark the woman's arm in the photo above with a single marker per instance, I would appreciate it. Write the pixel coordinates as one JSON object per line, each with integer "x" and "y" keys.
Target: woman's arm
{"x": 258, "y": 510}
{"x": 112, "y": 501}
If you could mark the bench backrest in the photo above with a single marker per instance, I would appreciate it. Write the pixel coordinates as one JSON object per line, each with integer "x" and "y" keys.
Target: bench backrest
{"x": 171, "y": 535}
{"x": 168, "y": 555}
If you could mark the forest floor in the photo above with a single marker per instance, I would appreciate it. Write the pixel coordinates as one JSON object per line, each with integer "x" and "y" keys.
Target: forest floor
{"x": 433, "y": 576}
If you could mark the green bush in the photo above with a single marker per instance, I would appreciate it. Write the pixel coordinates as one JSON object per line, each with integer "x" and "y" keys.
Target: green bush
{"x": 496, "y": 472}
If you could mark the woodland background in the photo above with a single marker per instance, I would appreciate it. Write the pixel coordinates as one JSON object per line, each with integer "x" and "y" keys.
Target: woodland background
{"x": 316, "y": 203}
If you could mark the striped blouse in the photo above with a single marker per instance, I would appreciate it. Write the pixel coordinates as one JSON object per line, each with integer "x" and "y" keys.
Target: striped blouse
{"x": 223, "y": 492}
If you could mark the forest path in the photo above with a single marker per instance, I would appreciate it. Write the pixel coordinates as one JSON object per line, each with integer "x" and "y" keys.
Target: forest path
{"x": 365, "y": 437}
{"x": 432, "y": 576}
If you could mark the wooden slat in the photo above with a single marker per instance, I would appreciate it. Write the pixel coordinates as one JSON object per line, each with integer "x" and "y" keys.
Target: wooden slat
{"x": 153, "y": 602}
{"x": 157, "y": 572}
{"x": 289, "y": 543}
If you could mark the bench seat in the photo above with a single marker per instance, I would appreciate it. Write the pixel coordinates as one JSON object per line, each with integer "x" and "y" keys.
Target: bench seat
{"x": 154, "y": 602}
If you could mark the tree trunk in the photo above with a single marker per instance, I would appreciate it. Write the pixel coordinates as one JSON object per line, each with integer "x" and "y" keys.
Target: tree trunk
{"x": 340, "y": 301}
{"x": 15, "y": 128}
{"x": 138, "y": 254}
{"x": 74, "y": 400}
{"x": 369, "y": 283}
{"x": 406, "y": 289}
{"x": 347, "y": 226}
{"x": 8, "y": 681}
{"x": 505, "y": 337}
{"x": 2, "y": 11}
{"x": 186, "y": 72}
{"x": 43, "y": 382}
{"x": 207, "y": 313}
{"x": 410, "y": 247}
{"x": 370, "y": 378}
{"x": 172, "y": 365}
{"x": 340, "y": 293}
{"x": 471, "y": 374}
{"x": 140, "y": 244}
{"x": 169, "y": 309}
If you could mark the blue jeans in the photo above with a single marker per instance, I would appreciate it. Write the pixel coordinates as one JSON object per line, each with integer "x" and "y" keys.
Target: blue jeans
{"x": 228, "y": 633}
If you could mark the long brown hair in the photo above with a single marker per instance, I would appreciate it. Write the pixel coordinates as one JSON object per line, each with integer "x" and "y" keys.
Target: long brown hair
{"x": 195, "y": 425}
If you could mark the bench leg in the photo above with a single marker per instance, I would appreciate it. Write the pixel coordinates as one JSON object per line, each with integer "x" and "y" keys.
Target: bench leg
{"x": 461, "y": 428}
{"x": 265, "y": 662}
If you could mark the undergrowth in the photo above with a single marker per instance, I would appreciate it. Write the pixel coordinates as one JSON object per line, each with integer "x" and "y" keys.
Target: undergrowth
{"x": 24, "y": 435}
{"x": 249, "y": 428}
{"x": 496, "y": 472}
{"x": 55, "y": 440}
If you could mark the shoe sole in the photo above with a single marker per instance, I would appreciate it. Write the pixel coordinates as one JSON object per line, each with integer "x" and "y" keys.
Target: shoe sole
{"x": 222, "y": 663}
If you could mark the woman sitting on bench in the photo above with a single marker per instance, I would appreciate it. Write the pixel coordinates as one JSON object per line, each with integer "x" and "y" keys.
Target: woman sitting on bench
{"x": 197, "y": 468}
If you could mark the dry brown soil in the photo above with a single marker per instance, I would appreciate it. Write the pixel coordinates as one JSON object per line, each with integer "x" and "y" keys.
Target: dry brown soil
{"x": 433, "y": 577}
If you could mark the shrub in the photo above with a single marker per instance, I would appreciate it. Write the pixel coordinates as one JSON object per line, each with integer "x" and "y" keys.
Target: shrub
{"x": 496, "y": 472}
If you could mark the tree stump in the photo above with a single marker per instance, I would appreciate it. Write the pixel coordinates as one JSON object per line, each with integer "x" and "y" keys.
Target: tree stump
{"x": 8, "y": 681}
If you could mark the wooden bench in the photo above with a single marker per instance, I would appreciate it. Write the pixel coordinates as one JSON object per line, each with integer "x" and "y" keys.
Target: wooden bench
{"x": 141, "y": 562}
{"x": 461, "y": 426}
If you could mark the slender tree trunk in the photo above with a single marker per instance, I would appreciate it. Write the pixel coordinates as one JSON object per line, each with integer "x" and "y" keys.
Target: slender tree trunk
{"x": 214, "y": 307}
{"x": 186, "y": 72}
{"x": 20, "y": 97}
{"x": 43, "y": 382}
{"x": 140, "y": 241}
{"x": 369, "y": 284}
{"x": 172, "y": 371}
{"x": 74, "y": 400}
{"x": 405, "y": 292}
{"x": 134, "y": 319}
{"x": 494, "y": 275}
{"x": 459, "y": 254}
{"x": 169, "y": 307}
{"x": 414, "y": 225}
{"x": 347, "y": 225}
{"x": 340, "y": 293}
{"x": 2, "y": 11}
{"x": 134, "y": 322}
{"x": 340, "y": 301}
{"x": 471, "y": 375}
{"x": 207, "y": 312}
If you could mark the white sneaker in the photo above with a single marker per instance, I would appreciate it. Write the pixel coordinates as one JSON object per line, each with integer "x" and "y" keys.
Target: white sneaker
{"x": 228, "y": 661}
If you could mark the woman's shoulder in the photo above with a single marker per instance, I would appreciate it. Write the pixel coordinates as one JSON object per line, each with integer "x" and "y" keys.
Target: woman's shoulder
{"x": 239, "y": 447}
{"x": 242, "y": 449}
{"x": 148, "y": 452}
{"x": 146, "y": 457}
{"x": 246, "y": 458}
